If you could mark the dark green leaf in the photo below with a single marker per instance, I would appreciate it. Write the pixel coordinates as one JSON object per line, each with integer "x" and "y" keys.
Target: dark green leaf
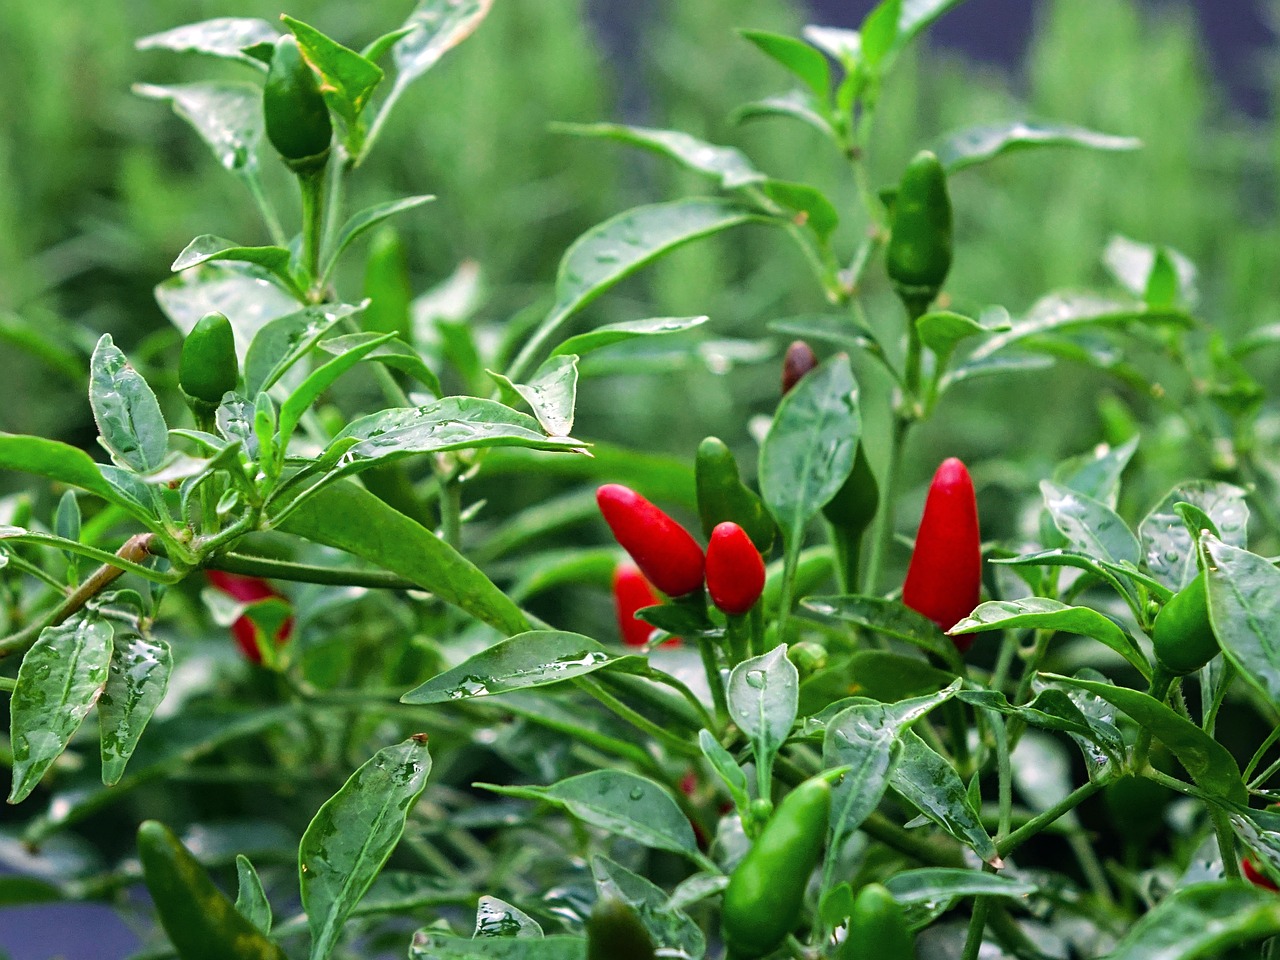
{"x": 890, "y": 677}
{"x": 227, "y": 116}
{"x": 612, "y": 333}
{"x": 60, "y": 679}
{"x": 798, "y": 57}
{"x": 944, "y": 883}
{"x": 319, "y": 380}
{"x": 137, "y": 681}
{"x": 353, "y": 834}
{"x": 347, "y": 78}
{"x": 888, "y": 617}
{"x": 251, "y": 899}
{"x": 533, "y": 659}
{"x": 1044, "y": 614}
{"x": 352, "y": 519}
{"x": 1198, "y": 922}
{"x": 763, "y": 696}
{"x": 1053, "y": 709}
{"x": 207, "y": 248}
{"x": 1210, "y": 764}
{"x": 931, "y": 784}
{"x": 806, "y": 205}
{"x": 735, "y": 780}
{"x": 56, "y": 461}
{"x": 669, "y": 927}
{"x": 282, "y": 342}
{"x": 729, "y": 165}
{"x": 392, "y": 353}
{"x": 1092, "y": 526}
{"x": 126, "y": 411}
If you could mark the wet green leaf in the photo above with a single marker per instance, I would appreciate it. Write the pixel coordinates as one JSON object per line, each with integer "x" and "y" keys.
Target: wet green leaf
{"x": 944, "y": 883}
{"x": 436, "y": 27}
{"x": 391, "y": 353}
{"x": 319, "y": 380}
{"x": 353, "y": 834}
{"x": 729, "y": 165}
{"x": 1198, "y": 922}
{"x": 763, "y": 696}
{"x": 551, "y": 393}
{"x": 612, "y": 333}
{"x": 430, "y": 944}
{"x": 1166, "y": 543}
{"x": 222, "y": 37}
{"x": 207, "y": 248}
{"x": 227, "y": 116}
{"x": 983, "y": 143}
{"x": 136, "y": 683}
{"x": 888, "y": 617}
{"x": 670, "y": 928}
{"x": 282, "y": 342}
{"x": 251, "y": 899}
{"x": 1244, "y": 608}
{"x": 1093, "y": 527}
{"x": 128, "y": 415}
{"x": 497, "y": 918}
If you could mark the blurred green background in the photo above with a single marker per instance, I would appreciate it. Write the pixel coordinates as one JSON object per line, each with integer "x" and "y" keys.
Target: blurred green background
{"x": 103, "y": 188}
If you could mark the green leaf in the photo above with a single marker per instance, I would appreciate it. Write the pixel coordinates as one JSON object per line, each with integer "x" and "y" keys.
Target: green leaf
{"x": 729, "y": 165}
{"x": 946, "y": 883}
{"x": 282, "y": 342}
{"x": 137, "y": 681}
{"x": 46, "y": 341}
{"x": 809, "y": 450}
{"x": 207, "y": 248}
{"x": 808, "y": 206}
{"x": 930, "y": 784}
{"x": 429, "y": 944}
{"x": 392, "y": 353}
{"x": 1134, "y": 266}
{"x": 497, "y": 918}
{"x": 126, "y": 411}
{"x": 612, "y": 333}
{"x": 798, "y": 105}
{"x": 722, "y": 762}
{"x": 842, "y": 45}
{"x": 1199, "y": 921}
{"x": 347, "y": 78}
{"x": 941, "y": 330}
{"x": 983, "y": 143}
{"x": 890, "y": 677}
{"x": 369, "y": 218}
{"x": 834, "y": 329}
{"x": 1166, "y": 543}
{"x": 319, "y": 380}
{"x": 454, "y": 423}
{"x": 377, "y": 49}
{"x": 763, "y": 695}
{"x": 797, "y": 56}
{"x": 888, "y": 617}
{"x": 1210, "y": 764}
{"x": 437, "y": 26}
{"x": 621, "y": 803}
{"x": 352, "y": 519}
{"x": 1044, "y": 614}
{"x": 223, "y": 37}
{"x": 918, "y": 14}
{"x": 1097, "y": 474}
{"x": 1244, "y": 608}
{"x": 879, "y": 32}
{"x": 551, "y": 393}
{"x": 57, "y": 461}
{"x": 227, "y": 116}
{"x": 251, "y": 899}
{"x": 1092, "y": 526}
{"x": 234, "y": 290}
{"x": 353, "y": 834}
{"x": 533, "y": 659}
{"x": 1053, "y": 709}
{"x": 60, "y": 679}
{"x": 670, "y": 928}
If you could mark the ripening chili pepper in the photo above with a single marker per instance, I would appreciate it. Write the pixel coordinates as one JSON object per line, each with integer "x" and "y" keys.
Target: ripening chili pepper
{"x": 202, "y": 923}
{"x": 735, "y": 572}
{"x": 207, "y": 366}
{"x": 944, "y": 578}
{"x": 248, "y": 590}
{"x": 798, "y": 361}
{"x": 1182, "y": 636}
{"x": 615, "y": 932}
{"x": 662, "y": 549}
{"x": 878, "y": 928}
{"x": 293, "y": 109}
{"x": 723, "y": 496}
{"x": 1256, "y": 876}
{"x": 765, "y": 895}
{"x": 632, "y": 592}
{"x": 918, "y": 257}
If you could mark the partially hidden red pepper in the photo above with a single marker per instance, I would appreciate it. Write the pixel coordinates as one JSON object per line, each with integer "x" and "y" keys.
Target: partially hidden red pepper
{"x": 1256, "y": 876}
{"x": 797, "y": 362}
{"x": 248, "y": 590}
{"x": 944, "y": 578}
{"x": 735, "y": 570}
{"x": 664, "y": 551}
{"x": 632, "y": 592}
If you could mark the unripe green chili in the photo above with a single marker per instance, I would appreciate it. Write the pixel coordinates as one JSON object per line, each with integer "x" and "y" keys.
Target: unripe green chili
{"x": 293, "y": 108}
{"x": 202, "y": 923}
{"x": 722, "y": 496}
{"x": 850, "y": 513}
{"x": 918, "y": 257}
{"x": 765, "y": 895}
{"x": 615, "y": 932}
{"x": 207, "y": 366}
{"x": 1182, "y": 635}
{"x": 877, "y": 928}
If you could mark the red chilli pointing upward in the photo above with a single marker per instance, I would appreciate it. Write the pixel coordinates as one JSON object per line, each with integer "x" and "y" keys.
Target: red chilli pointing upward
{"x": 944, "y": 579}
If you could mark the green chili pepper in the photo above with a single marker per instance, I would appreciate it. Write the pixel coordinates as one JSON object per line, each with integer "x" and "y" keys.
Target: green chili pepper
{"x": 294, "y": 111}
{"x": 207, "y": 366}
{"x": 722, "y": 496}
{"x": 763, "y": 901}
{"x": 1183, "y": 637}
{"x": 878, "y": 928}
{"x": 919, "y": 254}
{"x": 201, "y": 922}
{"x": 850, "y": 512}
{"x": 614, "y": 932}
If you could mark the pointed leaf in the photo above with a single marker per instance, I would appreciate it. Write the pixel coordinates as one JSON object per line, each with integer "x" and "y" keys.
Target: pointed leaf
{"x": 347, "y": 78}
{"x": 798, "y": 105}
{"x": 888, "y": 617}
{"x": 283, "y": 341}
{"x": 670, "y": 927}
{"x": 1092, "y": 526}
{"x": 1244, "y": 608}
{"x": 551, "y": 393}
{"x": 983, "y": 143}
{"x": 437, "y": 26}
{"x": 138, "y": 678}
{"x": 612, "y": 333}
{"x": 944, "y": 883}
{"x": 1166, "y": 544}
{"x": 1200, "y": 921}
{"x": 227, "y": 116}
{"x": 251, "y": 899}
{"x": 222, "y": 37}
{"x": 935, "y": 789}
{"x": 797, "y": 56}
{"x": 393, "y": 353}
{"x": 127, "y": 412}
{"x": 729, "y": 165}
{"x": 369, "y": 218}
{"x": 764, "y": 694}
{"x": 353, "y": 834}
{"x": 320, "y": 379}
{"x": 497, "y": 918}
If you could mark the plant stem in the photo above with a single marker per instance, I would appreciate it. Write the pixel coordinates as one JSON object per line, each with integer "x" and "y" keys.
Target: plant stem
{"x": 313, "y": 191}
{"x": 307, "y": 573}
{"x": 1040, "y": 821}
{"x": 1159, "y": 689}
{"x": 1226, "y": 842}
{"x": 884, "y": 531}
{"x": 927, "y": 849}
{"x": 269, "y": 216}
{"x": 640, "y": 722}
{"x": 711, "y": 664}
{"x": 977, "y": 925}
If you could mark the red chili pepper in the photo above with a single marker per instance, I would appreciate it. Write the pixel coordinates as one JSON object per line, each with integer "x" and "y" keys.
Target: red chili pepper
{"x": 662, "y": 549}
{"x": 632, "y": 592}
{"x": 798, "y": 361}
{"x": 248, "y": 590}
{"x": 1256, "y": 876}
{"x": 944, "y": 578}
{"x": 735, "y": 572}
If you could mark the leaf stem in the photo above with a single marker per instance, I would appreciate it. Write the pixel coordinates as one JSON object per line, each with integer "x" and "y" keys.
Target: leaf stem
{"x": 636, "y": 719}
{"x": 1037, "y": 823}
{"x": 312, "y": 185}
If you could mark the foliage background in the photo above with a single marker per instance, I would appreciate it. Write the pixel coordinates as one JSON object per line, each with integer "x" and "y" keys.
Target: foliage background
{"x": 102, "y": 189}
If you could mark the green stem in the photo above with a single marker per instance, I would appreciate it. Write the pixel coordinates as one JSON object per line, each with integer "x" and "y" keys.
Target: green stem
{"x": 1004, "y": 775}
{"x": 1219, "y": 695}
{"x": 640, "y": 722}
{"x": 451, "y": 511}
{"x": 977, "y": 926}
{"x": 6, "y": 683}
{"x": 1159, "y": 689}
{"x": 1226, "y": 842}
{"x": 928, "y": 849}
{"x": 690, "y": 697}
{"x": 711, "y": 665}
{"x": 1037, "y": 823}
{"x": 1267, "y": 744}
{"x": 251, "y": 180}
{"x": 313, "y": 196}
{"x": 884, "y": 532}
{"x": 307, "y": 573}
{"x": 738, "y": 634}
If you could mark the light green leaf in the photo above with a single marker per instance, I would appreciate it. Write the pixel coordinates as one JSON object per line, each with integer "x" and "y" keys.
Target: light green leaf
{"x": 128, "y": 415}
{"x": 612, "y": 333}
{"x": 222, "y": 37}
{"x": 983, "y": 143}
{"x": 319, "y": 380}
{"x": 551, "y": 392}
{"x": 798, "y": 105}
{"x": 137, "y": 681}
{"x": 764, "y": 694}
{"x": 1166, "y": 543}
{"x": 282, "y": 342}
{"x": 60, "y": 679}
{"x": 1244, "y": 608}
{"x": 347, "y": 78}
{"x": 669, "y": 927}
{"x": 497, "y": 918}
{"x": 1093, "y": 527}
{"x": 353, "y": 834}
{"x": 251, "y": 899}
{"x": 929, "y": 783}
{"x": 392, "y": 353}
{"x": 227, "y": 116}
{"x": 1199, "y": 922}
{"x": 367, "y": 219}
{"x": 944, "y": 883}
{"x": 729, "y": 165}
{"x": 797, "y": 56}
{"x": 207, "y": 248}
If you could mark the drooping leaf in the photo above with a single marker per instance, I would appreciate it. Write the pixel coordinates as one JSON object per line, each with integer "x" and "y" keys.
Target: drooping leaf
{"x": 1200, "y": 921}
{"x": 226, "y": 115}
{"x": 222, "y": 37}
{"x": 612, "y": 333}
{"x": 353, "y": 834}
{"x": 136, "y": 683}
{"x": 799, "y": 105}
{"x": 1244, "y": 608}
{"x": 980, "y": 144}
{"x": 207, "y": 248}
{"x": 729, "y": 165}
{"x": 60, "y": 679}
{"x": 943, "y": 883}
